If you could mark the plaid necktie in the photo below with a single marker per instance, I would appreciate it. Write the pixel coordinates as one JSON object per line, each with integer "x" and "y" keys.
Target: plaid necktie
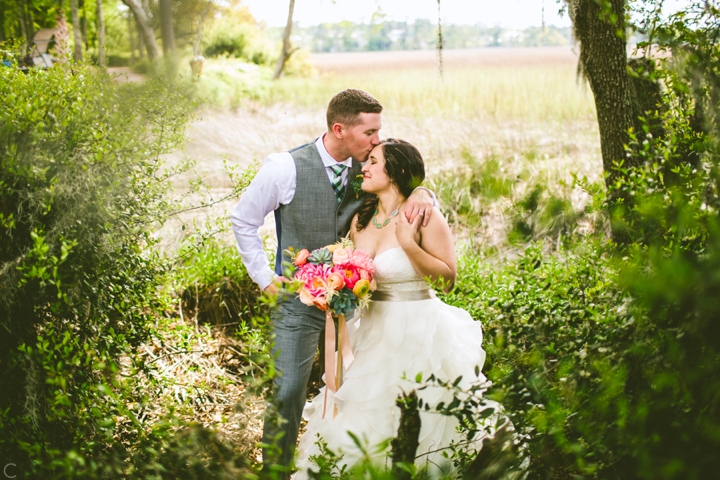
{"x": 337, "y": 181}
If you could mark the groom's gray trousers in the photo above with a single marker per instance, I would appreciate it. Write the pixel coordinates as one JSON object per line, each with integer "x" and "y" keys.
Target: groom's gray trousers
{"x": 293, "y": 360}
{"x": 313, "y": 219}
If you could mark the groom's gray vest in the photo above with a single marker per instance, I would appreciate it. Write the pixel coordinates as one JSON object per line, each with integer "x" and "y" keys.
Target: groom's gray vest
{"x": 314, "y": 218}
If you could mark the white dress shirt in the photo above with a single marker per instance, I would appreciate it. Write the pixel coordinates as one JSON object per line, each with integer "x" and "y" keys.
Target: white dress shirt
{"x": 274, "y": 185}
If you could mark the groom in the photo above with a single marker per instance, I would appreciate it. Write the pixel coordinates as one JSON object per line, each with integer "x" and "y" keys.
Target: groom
{"x": 308, "y": 189}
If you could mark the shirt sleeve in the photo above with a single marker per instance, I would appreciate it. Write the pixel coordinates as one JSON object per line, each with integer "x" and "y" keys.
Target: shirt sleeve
{"x": 274, "y": 185}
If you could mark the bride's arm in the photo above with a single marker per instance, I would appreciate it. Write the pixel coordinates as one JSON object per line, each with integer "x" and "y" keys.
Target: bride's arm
{"x": 429, "y": 248}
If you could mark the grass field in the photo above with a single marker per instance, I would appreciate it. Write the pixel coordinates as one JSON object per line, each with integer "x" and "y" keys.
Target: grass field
{"x": 537, "y": 84}
{"x": 522, "y": 108}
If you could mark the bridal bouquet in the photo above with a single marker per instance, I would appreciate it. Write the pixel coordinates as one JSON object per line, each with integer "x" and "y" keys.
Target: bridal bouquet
{"x": 336, "y": 278}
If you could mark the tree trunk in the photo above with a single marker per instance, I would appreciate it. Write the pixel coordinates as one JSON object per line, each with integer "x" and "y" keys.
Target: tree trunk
{"x": 83, "y": 23}
{"x": 29, "y": 22}
{"x": 131, "y": 35}
{"x": 101, "y": 34}
{"x": 286, "y": 52}
{"x": 2, "y": 25}
{"x": 166, "y": 26}
{"x": 140, "y": 42}
{"x": 23, "y": 27}
{"x": 77, "y": 32}
{"x": 404, "y": 445}
{"x": 603, "y": 61}
{"x": 146, "y": 30}
{"x": 198, "y": 37}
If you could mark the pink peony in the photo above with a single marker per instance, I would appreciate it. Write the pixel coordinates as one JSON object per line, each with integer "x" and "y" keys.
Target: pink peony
{"x": 364, "y": 275}
{"x": 314, "y": 276}
{"x": 362, "y": 260}
{"x": 349, "y": 273}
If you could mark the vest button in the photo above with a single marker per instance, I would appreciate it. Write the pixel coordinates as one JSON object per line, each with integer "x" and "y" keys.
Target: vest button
{"x": 339, "y": 234}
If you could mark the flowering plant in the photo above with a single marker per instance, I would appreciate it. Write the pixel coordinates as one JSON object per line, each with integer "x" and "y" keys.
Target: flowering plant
{"x": 335, "y": 278}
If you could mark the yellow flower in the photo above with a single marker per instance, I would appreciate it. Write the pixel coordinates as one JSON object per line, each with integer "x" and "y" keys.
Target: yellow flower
{"x": 362, "y": 288}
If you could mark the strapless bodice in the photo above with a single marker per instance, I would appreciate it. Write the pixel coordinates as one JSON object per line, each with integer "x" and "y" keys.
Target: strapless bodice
{"x": 394, "y": 271}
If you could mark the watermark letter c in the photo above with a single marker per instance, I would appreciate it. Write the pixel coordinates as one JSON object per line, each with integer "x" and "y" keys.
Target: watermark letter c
{"x": 6, "y": 472}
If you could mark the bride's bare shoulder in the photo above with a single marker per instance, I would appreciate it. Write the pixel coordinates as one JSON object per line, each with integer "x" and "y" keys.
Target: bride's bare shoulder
{"x": 437, "y": 221}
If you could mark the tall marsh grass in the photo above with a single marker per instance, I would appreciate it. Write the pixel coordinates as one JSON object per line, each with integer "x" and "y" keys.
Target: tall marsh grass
{"x": 531, "y": 93}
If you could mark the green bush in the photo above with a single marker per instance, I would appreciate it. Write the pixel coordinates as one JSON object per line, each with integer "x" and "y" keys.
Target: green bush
{"x": 81, "y": 188}
{"x": 226, "y": 43}
{"x": 236, "y": 36}
{"x": 606, "y": 356}
{"x": 550, "y": 324}
{"x": 216, "y": 288}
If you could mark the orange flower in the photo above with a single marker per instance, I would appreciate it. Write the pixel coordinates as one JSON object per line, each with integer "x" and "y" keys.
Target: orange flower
{"x": 306, "y": 297}
{"x": 321, "y": 303}
{"x": 335, "y": 281}
{"x": 301, "y": 257}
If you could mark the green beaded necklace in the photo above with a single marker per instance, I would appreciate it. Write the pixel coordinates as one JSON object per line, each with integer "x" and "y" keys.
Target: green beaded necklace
{"x": 387, "y": 220}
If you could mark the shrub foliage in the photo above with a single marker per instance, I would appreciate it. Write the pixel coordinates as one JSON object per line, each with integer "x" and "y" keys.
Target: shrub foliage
{"x": 81, "y": 185}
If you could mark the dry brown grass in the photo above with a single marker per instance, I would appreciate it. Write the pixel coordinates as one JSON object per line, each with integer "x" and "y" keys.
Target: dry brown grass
{"x": 197, "y": 373}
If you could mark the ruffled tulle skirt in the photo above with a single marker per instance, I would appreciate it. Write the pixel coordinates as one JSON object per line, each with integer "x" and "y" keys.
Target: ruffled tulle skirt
{"x": 393, "y": 342}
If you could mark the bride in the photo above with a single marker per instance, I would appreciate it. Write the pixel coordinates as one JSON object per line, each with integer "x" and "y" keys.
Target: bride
{"x": 406, "y": 329}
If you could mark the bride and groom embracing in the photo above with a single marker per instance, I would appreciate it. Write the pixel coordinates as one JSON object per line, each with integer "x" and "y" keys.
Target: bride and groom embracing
{"x": 405, "y": 331}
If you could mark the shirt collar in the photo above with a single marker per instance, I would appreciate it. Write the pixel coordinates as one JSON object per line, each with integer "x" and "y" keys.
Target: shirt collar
{"x": 329, "y": 161}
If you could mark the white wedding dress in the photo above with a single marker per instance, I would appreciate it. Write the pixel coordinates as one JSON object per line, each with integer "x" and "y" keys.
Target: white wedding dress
{"x": 395, "y": 338}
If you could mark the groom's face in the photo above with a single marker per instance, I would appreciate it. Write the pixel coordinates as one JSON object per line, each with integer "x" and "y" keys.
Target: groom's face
{"x": 359, "y": 140}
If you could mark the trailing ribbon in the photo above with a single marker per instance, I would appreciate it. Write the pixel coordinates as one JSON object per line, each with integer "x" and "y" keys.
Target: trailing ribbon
{"x": 333, "y": 375}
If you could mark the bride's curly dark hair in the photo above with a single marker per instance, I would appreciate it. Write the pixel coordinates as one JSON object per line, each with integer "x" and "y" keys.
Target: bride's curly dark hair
{"x": 406, "y": 169}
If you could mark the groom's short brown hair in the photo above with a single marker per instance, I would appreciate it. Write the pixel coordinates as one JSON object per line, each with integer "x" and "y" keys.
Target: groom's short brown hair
{"x": 346, "y": 107}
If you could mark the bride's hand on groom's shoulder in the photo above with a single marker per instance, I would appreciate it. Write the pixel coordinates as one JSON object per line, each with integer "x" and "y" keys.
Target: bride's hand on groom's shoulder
{"x": 408, "y": 233}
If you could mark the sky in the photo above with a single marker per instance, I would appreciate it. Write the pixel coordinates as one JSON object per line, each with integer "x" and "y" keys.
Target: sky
{"x": 505, "y": 13}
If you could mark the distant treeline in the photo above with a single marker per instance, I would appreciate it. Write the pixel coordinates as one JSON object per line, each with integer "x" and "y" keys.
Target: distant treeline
{"x": 420, "y": 34}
